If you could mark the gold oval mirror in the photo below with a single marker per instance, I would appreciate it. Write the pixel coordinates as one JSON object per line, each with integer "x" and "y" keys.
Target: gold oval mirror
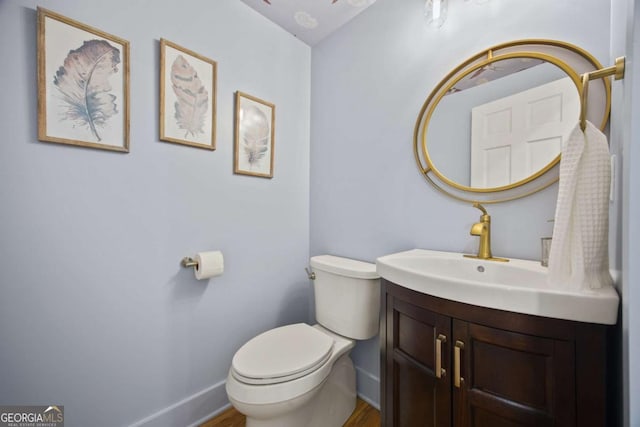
{"x": 496, "y": 123}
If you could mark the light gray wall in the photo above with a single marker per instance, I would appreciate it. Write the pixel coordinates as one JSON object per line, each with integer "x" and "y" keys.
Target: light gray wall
{"x": 369, "y": 81}
{"x": 95, "y": 312}
{"x": 632, "y": 229}
{"x": 625, "y": 133}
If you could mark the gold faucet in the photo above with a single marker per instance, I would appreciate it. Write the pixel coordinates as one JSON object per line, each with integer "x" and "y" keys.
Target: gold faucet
{"x": 483, "y": 229}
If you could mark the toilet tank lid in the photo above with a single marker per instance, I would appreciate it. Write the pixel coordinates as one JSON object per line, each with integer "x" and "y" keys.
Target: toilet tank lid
{"x": 344, "y": 266}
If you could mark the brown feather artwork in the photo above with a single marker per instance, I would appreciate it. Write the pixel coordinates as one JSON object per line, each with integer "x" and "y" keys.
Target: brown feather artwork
{"x": 193, "y": 98}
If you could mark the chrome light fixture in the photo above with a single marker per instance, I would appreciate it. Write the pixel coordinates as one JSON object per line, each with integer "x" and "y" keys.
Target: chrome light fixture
{"x": 436, "y": 12}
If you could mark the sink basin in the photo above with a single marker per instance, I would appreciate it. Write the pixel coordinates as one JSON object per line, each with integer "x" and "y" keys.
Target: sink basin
{"x": 518, "y": 285}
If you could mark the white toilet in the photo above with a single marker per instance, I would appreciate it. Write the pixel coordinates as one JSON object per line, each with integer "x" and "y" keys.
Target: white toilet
{"x": 301, "y": 375}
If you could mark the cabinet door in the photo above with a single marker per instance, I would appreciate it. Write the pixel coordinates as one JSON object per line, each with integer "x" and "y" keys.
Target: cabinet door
{"x": 509, "y": 379}
{"x": 415, "y": 395}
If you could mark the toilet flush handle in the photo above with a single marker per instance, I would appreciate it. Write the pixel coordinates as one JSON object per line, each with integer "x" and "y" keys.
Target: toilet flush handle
{"x": 310, "y": 274}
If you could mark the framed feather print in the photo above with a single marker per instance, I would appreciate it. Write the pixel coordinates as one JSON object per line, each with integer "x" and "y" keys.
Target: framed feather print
{"x": 254, "y": 136}
{"x": 187, "y": 97}
{"x": 83, "y": 84}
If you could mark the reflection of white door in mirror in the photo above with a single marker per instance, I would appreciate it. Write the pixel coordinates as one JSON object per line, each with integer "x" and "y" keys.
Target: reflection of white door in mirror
{"x": 518, "y": 135}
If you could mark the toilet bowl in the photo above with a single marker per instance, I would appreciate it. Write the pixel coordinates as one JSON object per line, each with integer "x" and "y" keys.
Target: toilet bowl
{"x": 301, "y": 375}
{"x": 273, "y": 396}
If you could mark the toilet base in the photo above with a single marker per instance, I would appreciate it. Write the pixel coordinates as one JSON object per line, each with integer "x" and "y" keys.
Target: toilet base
{"x": 328, "y": 405}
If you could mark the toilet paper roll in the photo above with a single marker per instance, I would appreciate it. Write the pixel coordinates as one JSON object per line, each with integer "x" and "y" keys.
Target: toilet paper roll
{"x": 210, "y": 264}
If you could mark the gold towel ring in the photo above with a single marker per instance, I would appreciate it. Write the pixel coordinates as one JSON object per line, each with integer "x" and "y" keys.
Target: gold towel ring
{"x": 583, "y": 101}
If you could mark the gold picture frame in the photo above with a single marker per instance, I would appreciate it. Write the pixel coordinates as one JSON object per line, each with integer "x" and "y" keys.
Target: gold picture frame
{"x": 254, "y": 136}
{"x": 187, "y": 97}
{"x": 83, "y": 84}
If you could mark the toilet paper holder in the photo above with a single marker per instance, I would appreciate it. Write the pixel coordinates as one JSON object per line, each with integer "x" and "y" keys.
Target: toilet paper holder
{"x": 189, "y": 262}
{"x": 205, "y": 265}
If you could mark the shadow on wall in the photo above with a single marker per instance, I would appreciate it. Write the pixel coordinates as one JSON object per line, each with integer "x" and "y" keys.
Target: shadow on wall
{"x": 185, "y": 287}
{"x": 296, "y": 306}
{"x": 185, "y": 295}
{"x": 30, "y": 35}
{"x": 180, "y": 365}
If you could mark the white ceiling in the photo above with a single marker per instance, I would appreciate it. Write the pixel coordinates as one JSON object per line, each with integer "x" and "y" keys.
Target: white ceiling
{"x": 310, "y": 20}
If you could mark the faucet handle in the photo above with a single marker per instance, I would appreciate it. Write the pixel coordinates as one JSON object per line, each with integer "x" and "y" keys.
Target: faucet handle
{"x": 479, "y": 206}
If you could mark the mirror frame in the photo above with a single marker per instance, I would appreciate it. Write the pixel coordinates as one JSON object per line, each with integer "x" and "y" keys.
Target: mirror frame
{"x": 571, "y": 59}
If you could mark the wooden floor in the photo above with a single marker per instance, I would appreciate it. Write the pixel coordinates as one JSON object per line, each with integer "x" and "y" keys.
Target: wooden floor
{"x": 363, "y": 416}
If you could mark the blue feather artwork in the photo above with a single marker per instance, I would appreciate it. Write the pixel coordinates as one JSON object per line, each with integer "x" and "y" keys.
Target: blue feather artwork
{"x": 83, "y": 83}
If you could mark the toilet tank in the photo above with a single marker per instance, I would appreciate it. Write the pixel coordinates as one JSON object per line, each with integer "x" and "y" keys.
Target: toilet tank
{"x": 347, "y": 295}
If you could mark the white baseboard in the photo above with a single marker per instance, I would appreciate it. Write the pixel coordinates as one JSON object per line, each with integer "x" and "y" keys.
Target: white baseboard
{"x": 190, "y": 411}
{"x": 205, "y": 404}
{"x": 368, "y": 386}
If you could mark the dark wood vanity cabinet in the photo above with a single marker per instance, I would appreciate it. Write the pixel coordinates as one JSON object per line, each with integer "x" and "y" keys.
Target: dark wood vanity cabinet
{"x": 497, "y": 368}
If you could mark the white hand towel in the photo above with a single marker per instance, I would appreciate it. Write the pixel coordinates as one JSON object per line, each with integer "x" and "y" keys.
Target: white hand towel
{"x": 579, "y": 255}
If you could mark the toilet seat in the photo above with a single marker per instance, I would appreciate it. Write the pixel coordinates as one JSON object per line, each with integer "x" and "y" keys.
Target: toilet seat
{"x": 281, "y": 354}
{"x": 242, "y": 392}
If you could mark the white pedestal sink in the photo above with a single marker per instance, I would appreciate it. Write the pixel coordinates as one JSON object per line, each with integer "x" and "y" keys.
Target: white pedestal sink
{"x": 518, "y": 285}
